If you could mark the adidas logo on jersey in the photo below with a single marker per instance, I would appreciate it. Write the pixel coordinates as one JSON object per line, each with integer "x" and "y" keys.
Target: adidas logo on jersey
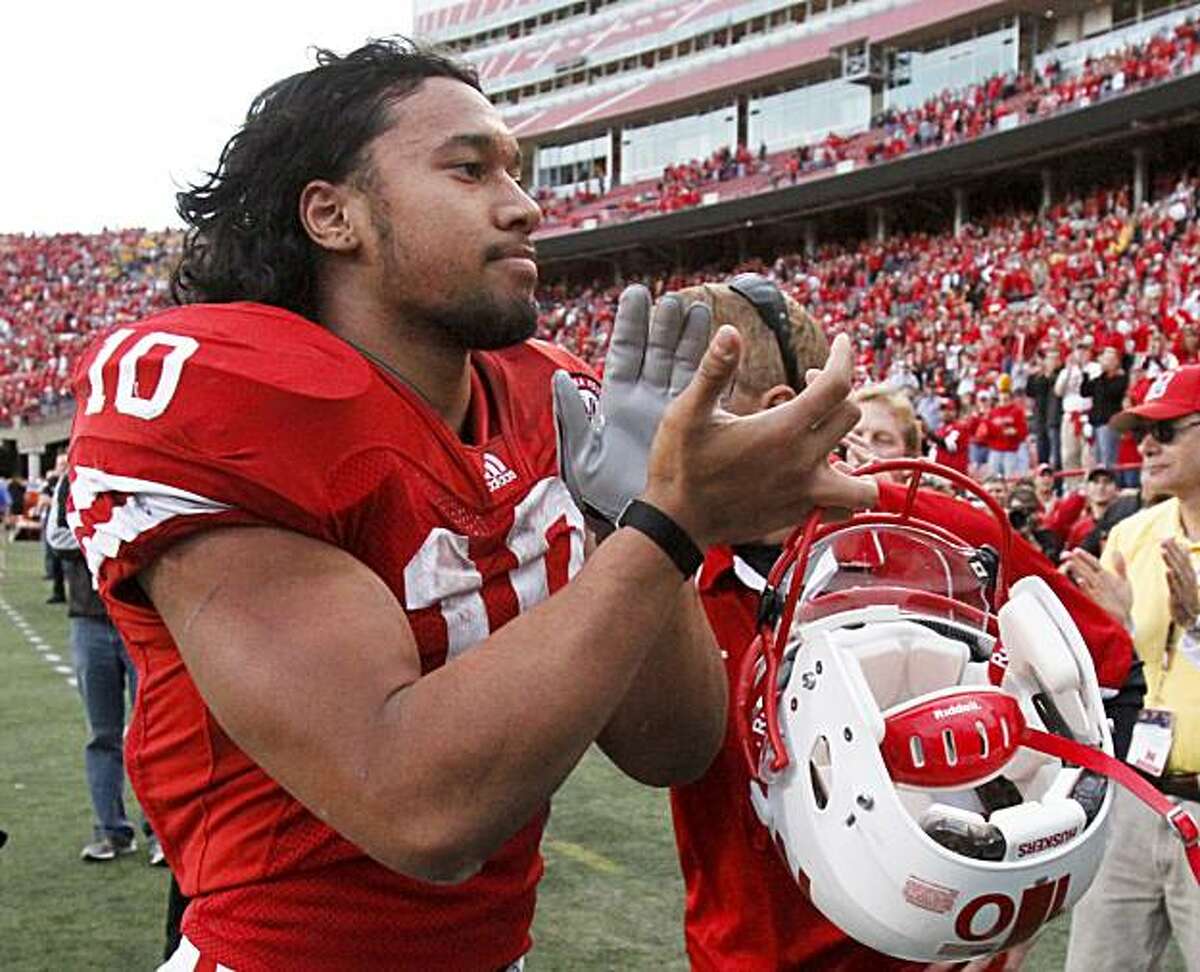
{"x": 495, "y": 473}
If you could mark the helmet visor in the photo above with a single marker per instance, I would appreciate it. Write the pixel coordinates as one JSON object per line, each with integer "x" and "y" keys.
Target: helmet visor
{"x": 901, "y": 565}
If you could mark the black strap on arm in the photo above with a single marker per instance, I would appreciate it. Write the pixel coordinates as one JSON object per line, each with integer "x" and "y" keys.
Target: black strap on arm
{"x": 671, "y": 538}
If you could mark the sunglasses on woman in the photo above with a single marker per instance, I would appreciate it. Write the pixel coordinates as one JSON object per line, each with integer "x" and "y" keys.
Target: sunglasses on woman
{"x": 1163, "y": 431}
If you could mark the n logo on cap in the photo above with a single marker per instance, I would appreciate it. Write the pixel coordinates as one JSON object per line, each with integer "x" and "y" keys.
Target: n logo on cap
{"x": 1160, "y": 386}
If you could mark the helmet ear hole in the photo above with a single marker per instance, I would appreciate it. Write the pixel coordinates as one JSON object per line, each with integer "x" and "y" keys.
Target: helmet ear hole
{"x": 820, "y": 771}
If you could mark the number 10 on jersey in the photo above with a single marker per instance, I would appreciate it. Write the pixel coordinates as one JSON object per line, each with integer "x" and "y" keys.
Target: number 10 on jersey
{"x": 128, "y": 400}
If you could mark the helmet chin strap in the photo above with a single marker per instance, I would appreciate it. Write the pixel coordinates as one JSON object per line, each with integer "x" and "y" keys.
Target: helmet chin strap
{"x": 1070, "y": 751}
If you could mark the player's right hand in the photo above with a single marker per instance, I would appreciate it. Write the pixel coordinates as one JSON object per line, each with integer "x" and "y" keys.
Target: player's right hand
{"x": 732, "y": 479}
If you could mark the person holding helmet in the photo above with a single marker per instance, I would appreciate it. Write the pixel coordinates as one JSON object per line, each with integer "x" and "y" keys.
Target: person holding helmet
{"x": 1146, "y": 578}
{"x": 724, "y": 853}
{"x": 743, "y": 909}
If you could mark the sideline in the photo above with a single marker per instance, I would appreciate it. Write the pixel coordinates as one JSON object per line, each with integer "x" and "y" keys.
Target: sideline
{"x": 48, "y": 652}
{"x": 583, "y": 855}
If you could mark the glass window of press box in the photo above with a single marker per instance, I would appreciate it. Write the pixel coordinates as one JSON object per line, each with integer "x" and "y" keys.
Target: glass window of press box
{"x": 581, "y": 165}
{"x": 648, "y": 149}
{"x": 952, "y": 63}
{"x": 807, "y": 114}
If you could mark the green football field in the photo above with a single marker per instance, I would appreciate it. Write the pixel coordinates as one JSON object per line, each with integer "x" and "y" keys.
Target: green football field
{"x": 611, "y": 899}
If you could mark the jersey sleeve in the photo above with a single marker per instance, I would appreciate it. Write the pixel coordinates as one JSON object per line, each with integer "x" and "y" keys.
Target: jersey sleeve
{"x": 205, "y": 416}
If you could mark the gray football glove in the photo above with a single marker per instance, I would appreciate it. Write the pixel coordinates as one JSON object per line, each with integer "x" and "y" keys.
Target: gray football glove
{"x": 602, "y": 457}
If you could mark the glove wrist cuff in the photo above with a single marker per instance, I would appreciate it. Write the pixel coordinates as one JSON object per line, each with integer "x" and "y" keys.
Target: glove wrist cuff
{"x": 671, "y": 538}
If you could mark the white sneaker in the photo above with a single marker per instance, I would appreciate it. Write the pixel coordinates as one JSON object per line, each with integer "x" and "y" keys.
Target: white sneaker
{"x": 107, "y": 849}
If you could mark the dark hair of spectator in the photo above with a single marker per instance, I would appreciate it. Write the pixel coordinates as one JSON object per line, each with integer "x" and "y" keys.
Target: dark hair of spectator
{"x": 245, "y": 240}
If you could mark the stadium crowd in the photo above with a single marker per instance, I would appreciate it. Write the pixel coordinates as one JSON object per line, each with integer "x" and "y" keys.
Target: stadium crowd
{"x": 952, "y": 115}
{"x": 960, "y": 308}
{"x": 1015, "y": 340}
{"x": 56, "y": 291}
{"x": 956, "y": 320}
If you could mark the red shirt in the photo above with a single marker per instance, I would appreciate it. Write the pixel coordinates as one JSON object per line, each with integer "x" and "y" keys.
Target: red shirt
{"x": 1080, "y": 529}
{"x": 270, "y": 419}
{"x": 1007, "y": 427}
{"x": 743, "y": 909}
{"x": 1063, "y": 513}
{"x": 954, "y": 448}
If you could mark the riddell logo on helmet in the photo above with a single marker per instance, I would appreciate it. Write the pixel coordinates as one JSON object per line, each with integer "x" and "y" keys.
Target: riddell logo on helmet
{"x": 959, "y": 709}
{"x": 1028, "y": 847}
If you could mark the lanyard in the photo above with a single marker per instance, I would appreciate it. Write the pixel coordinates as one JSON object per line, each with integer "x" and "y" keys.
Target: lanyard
{"x": 1164, "y": 665}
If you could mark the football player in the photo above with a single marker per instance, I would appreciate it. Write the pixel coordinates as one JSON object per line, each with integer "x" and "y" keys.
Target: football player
{"x": 324, "y": 505}
{"x": 743, "y": 909}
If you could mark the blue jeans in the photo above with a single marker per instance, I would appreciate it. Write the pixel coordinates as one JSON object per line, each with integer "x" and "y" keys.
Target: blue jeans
{"x": 1054, "y": 434}
{"x": 1007, "y": 464}
{"x": 104, "y": 673}
{"x": 1049, "y": 445}
{"x": 1106, "y": 444}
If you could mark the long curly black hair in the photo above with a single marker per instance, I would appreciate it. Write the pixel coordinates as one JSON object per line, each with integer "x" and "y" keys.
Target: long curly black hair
{"x": 245, "y": 240}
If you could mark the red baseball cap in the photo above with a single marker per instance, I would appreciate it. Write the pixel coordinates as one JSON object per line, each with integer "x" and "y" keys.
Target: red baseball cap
{"x": 1172, "y": 395}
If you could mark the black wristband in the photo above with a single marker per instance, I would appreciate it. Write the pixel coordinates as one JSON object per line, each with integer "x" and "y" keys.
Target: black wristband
{"x": 665, "y": 532}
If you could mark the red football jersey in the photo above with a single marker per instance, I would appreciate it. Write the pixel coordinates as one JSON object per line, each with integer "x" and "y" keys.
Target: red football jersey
{"x": 245, "y": 414}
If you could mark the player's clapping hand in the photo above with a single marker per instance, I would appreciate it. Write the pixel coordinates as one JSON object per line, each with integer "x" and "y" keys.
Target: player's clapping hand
{"x": 728, "y": 478}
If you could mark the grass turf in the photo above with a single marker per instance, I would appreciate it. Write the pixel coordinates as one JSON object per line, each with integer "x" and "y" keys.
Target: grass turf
{"x": 611, "y": 898}
{"x": 56, "y": 912}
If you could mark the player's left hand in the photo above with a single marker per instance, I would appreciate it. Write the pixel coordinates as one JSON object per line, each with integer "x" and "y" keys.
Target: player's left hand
{"x": 602, "y": 458}
{"x": 1181, "y": 584}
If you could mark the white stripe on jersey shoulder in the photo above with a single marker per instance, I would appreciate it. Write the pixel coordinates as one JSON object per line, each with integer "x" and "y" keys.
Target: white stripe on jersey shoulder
{"x": 149, "y": 504}
{"x": 185, "y": 959}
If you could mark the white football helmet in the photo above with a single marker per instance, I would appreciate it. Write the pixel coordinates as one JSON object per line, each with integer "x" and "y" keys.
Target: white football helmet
{"x": 906, "y": 716}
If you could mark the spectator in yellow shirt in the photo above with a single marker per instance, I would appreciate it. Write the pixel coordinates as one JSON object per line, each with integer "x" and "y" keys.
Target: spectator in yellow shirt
{"x": 1145, "y": 892}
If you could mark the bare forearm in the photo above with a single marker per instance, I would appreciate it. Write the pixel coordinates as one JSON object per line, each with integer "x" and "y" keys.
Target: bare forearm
{"x": 671, "y": 722}
{"x": 526, "y": 704}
